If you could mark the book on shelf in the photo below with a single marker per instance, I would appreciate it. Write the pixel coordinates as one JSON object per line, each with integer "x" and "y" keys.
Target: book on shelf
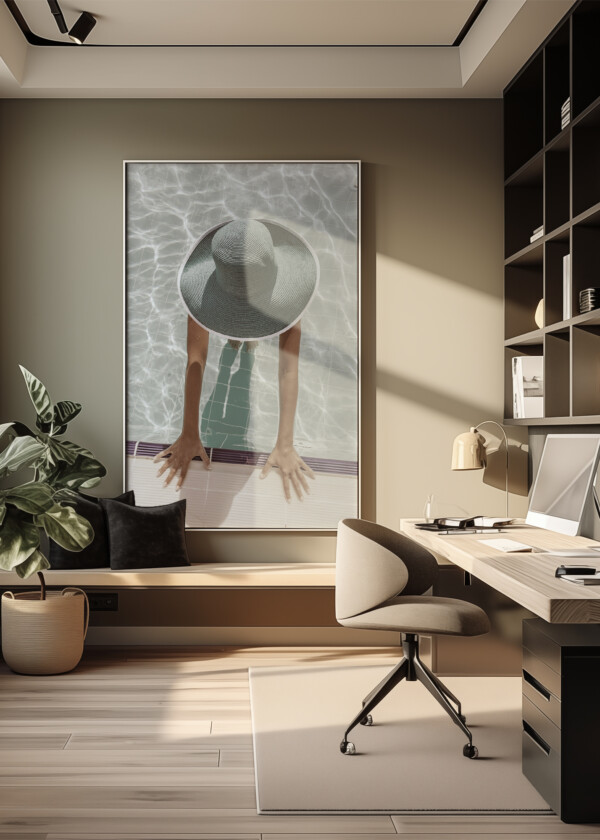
{"x": 565, "y": 122}
{"x": 567, "y": 311}
{"x": 528, "y": 386}
{"x": 566, "y": 106}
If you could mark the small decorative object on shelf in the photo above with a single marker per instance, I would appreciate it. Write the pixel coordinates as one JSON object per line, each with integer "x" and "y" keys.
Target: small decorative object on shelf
{"x": 589, "y": 299}
{"x": 528, "y": 386}
{"x": 565, "y": 113}
{"x": 539, "y": 314}
{"x": 537, "y": 233}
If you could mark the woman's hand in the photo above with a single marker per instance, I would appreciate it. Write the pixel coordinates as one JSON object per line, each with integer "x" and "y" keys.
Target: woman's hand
{"x": 292, "y": 468}
{"x": 176, "y": 459}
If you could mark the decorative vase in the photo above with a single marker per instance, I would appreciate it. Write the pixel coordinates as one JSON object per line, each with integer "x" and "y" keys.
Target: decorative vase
{"x": 44, "y": 636}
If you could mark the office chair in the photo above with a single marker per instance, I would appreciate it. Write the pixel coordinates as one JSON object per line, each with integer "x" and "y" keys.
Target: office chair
{"x": 382, "y": 578}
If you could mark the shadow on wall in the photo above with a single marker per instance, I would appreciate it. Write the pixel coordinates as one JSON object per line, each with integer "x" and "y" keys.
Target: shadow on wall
{"x": 469, "y": 413}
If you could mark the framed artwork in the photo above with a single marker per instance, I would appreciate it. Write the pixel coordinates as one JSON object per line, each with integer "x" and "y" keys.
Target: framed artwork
{"x": 242, "y": 323}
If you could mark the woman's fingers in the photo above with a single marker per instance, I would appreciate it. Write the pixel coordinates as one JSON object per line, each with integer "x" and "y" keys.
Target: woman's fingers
{"x": 267, "y": 467}
{"x": 302, "y": 480}
{"x": 205, "y": 459}
{"x": 296, "y": 483}
{"x": 306, "y": 469}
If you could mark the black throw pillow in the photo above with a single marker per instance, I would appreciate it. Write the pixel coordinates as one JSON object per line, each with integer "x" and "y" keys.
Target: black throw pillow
{"x": 146, "y": 537}
{"x": 95, "y": 555}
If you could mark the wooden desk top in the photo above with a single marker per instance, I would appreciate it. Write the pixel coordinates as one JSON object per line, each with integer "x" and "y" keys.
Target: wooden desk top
{"x": 526, "y": 577}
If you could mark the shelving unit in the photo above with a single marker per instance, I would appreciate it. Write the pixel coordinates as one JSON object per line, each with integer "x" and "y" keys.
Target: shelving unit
{"x": 552, "y": 179}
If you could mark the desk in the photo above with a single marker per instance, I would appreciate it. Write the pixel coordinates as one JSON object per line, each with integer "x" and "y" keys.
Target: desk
{"x": 526, "y": 577}
{"x": 561, "y": 664}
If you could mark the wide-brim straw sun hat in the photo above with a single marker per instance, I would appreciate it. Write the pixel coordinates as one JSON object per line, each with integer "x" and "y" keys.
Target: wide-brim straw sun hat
{"x": 248, "y": 279}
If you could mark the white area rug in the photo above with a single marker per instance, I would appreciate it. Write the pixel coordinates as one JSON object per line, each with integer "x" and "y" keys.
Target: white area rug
{"x": 410, "y": 760}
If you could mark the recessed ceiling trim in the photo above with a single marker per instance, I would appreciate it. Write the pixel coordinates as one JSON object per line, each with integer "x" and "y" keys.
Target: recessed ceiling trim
{"x": 39, "y": 41}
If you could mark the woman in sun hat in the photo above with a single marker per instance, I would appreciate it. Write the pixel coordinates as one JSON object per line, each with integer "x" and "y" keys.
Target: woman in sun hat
{"x": 245, "y": 280}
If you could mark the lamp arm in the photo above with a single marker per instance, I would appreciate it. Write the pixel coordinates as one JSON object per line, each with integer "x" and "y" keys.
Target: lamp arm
{"x": 493, "y": 422}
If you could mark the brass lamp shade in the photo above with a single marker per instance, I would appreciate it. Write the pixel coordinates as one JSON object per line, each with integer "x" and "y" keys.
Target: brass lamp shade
{"x": 468, "y": 452}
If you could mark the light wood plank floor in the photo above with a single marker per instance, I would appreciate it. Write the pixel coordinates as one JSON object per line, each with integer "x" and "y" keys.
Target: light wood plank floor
{"x": 155, "y": 744}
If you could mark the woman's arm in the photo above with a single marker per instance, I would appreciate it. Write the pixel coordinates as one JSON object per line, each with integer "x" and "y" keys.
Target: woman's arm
{"x": 293, "y": 469}
{"x": 178, "y": 457}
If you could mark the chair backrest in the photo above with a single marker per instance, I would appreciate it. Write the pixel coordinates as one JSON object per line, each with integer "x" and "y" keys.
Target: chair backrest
{"x": 374, "y": 564}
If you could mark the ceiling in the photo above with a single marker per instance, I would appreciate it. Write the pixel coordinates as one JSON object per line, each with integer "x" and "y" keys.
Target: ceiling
{"x": 273, "y": 48}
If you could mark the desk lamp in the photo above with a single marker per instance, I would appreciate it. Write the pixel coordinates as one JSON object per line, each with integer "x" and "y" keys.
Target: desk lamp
{"x": 469, "y": 451}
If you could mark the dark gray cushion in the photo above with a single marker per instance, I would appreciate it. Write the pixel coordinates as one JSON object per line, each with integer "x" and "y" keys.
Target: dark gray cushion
{"x": 146, "y": 537}
{"x": 95, "y": 555}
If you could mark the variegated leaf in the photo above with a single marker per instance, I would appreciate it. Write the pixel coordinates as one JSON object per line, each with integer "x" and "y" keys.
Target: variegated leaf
{"x": 39, "y": 396}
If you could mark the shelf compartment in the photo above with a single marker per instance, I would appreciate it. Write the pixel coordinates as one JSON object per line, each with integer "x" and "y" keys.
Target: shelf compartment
{"x": 523, "y": 116}
{"x": 523, "y": 206}
{"x": 586, "y": 56}
{"x": 556, "y": 250}
{"x": 523, "y": 290}
{"x": 557, "y": 209}
{"x": 557, "y": 78}
{"x": 586, "y": 371}
{"x": 509, "y": 355}
{"x": 585, "y": 267}
{"x": 586, "y": 162}
{"x": 557, "y": 366}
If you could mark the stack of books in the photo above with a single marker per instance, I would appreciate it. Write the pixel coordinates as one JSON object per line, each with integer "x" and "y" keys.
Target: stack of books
{"x": 589, "y": 299}
{"x": 565, "y": 113}
{"x": 539, "y": 231}
{"x": 528, "y": 386}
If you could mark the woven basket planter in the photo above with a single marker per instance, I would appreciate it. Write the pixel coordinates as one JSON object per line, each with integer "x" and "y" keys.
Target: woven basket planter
{"x": 44, "y": 636}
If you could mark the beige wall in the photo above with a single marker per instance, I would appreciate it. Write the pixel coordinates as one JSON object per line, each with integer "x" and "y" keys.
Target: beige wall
{"x": 431, "y": 275}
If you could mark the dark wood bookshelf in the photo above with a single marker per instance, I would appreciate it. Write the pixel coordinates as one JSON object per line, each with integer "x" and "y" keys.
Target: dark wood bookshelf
{"x": 552, "y": 179}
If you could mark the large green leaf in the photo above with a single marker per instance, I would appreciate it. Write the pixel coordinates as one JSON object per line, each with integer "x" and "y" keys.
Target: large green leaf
{"x": 60, "y": 452}
{"x": 84, "y": 472}
{"x": 32, "y": 498}
{"x": 19, "y": 538}
{"x": 2, "y": 511}
{"x": 39, "y": 396}
{"x": 36, "y": 562}
{"x": 66, "y": 527}
{"x": 21, "y": 452}
{"x": 65, "y": 411}
{"x": 76, "y": 449}
{"x": 4, "y": 427}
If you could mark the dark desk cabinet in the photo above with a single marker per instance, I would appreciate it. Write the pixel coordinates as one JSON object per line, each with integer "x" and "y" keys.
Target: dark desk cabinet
{"x": 561, "y": 725}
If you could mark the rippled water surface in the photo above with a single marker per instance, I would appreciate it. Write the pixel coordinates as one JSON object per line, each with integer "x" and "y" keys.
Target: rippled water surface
{"x": 169, "y": 207}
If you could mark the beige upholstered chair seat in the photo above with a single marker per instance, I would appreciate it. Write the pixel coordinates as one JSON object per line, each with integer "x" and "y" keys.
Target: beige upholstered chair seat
{"x": 424, "y": 614}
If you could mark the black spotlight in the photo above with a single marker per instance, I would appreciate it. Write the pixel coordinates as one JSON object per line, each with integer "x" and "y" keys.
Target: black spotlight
{"x": 82, "y": 28}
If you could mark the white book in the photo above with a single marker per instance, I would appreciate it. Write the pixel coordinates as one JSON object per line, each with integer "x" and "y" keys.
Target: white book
{"x": 567, "y": 311}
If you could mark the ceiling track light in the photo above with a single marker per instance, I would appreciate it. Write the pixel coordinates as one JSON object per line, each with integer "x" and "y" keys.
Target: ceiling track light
{"x": 58, "y": 16}
{"x": 82, "y": 28}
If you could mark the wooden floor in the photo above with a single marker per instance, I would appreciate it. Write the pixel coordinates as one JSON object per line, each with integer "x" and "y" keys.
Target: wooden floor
{"x": 151, "y": 744}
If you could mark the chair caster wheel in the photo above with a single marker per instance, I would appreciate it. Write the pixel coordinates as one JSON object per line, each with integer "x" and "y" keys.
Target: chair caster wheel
{"x": 367, "y": 721}
{"x": 469, "y": 751}
{"x": 347, "y": 748}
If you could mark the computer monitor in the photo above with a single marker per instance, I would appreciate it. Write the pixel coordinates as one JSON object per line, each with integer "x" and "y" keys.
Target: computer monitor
{"x": 563, "y": 482}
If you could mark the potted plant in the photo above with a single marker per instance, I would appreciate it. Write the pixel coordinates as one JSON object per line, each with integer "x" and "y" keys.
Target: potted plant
{"x": 43, "y": 632}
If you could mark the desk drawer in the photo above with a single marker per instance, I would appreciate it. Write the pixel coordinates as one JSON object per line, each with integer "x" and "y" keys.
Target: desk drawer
{"x": 548, "y": 731}
{"x": 541, "y": 765}
{"x": 545, "y": 701}
{"x": 541, "y": 646}
{"x": 548, "y": 678}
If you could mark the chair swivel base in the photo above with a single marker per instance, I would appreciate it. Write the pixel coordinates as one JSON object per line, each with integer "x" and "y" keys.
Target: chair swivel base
{"x": 410, "y": 668}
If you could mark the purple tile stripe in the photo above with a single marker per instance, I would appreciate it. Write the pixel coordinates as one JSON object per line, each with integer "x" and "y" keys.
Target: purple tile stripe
{"x": 236, "y": 456}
